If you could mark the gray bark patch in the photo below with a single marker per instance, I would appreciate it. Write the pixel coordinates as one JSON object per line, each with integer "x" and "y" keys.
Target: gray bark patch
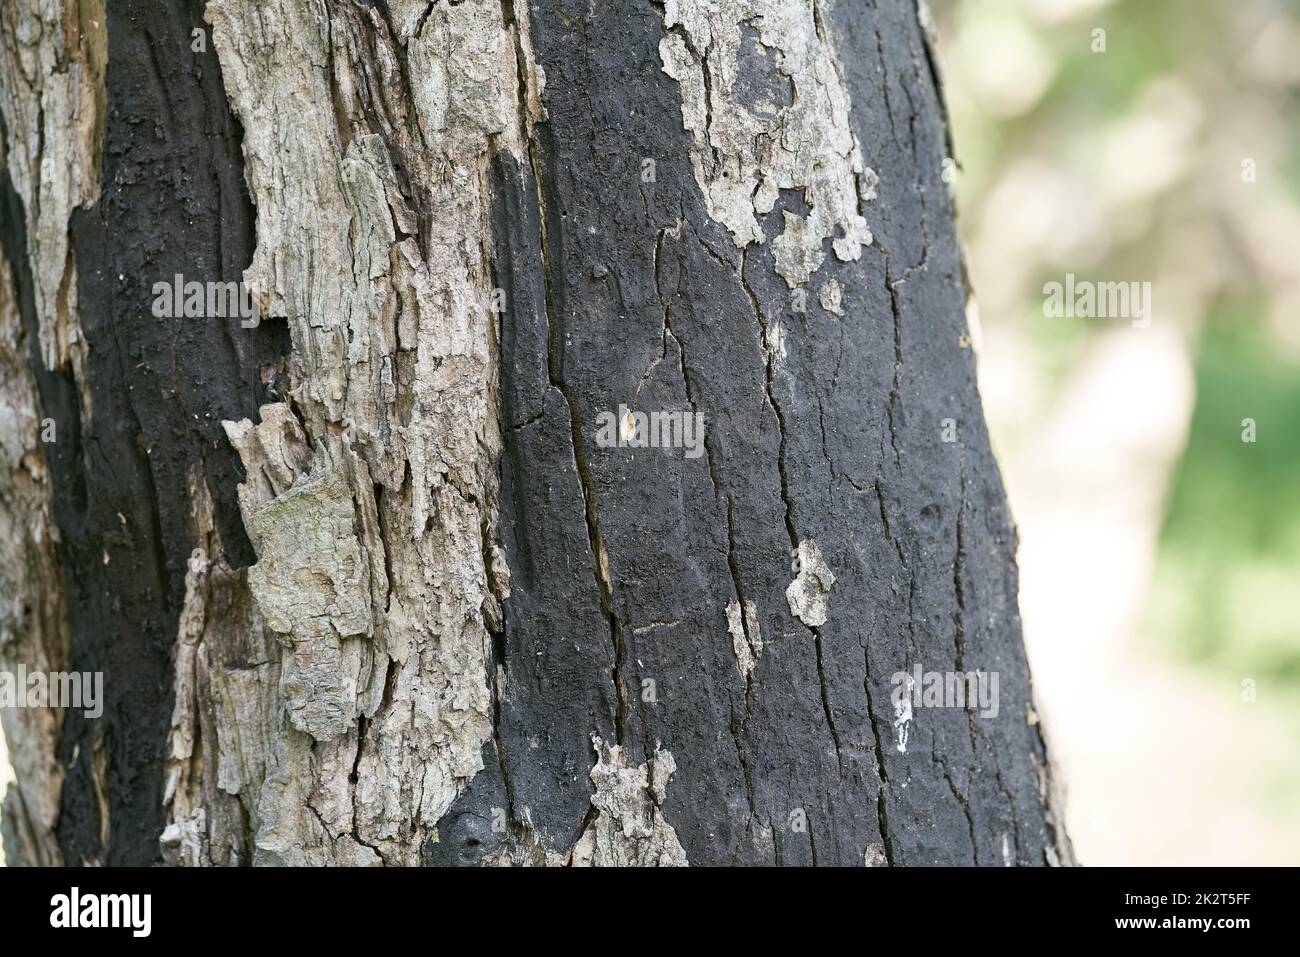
{"x": 764, "y": 100}
{"x": 809, "y": 593}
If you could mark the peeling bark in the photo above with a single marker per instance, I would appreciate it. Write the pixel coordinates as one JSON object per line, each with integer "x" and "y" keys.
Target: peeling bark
{"x": 52, "y": 61}
{"x": 762, "y": 95}
{"x": 52, "y": 64}
{"x": 809, "y": 594}
{"x": 31, "y": 611}
{"x": 388, "y": 598}
{"x": 374, "y": 571}
{"x": 746, "y": 636}
{"x": 629, "y": 828}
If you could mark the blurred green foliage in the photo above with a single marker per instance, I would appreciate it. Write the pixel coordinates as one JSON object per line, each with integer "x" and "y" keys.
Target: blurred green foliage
{"x": 1227, "y": 585}
{"x": 1040, "y": 116}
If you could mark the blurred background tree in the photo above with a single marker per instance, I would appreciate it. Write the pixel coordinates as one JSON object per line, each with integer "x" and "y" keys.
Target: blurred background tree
{"x": 1147, "y": 140}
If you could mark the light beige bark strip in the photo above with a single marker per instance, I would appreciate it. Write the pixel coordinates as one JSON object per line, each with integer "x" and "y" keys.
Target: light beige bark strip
{"x": 371, "y": 499}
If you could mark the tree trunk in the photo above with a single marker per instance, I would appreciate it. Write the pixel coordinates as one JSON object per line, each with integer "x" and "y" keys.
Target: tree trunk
{"x": 375, "y": 580}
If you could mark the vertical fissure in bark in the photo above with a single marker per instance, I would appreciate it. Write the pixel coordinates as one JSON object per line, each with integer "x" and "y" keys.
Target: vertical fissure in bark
{"x": 554, "y": 365}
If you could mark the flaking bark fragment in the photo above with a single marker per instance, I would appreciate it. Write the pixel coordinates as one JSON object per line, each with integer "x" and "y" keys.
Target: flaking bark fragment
{"x": 629, "y": 829}
{"x": 52, "y": 61}
{"x": 747, "y": 148}
{"x": 831, "y": 298}
{"x": 311, "y": 585}
{"x": 809, "y": 593}
{"x": 746, "y": 639}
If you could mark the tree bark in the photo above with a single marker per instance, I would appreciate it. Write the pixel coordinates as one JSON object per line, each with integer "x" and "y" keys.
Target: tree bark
{"x": 365, "y": 583}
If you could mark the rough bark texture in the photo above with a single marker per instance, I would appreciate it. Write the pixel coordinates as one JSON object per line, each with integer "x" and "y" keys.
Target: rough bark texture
{"x": 363, "y": 584}
{"x": 52, "y": 58}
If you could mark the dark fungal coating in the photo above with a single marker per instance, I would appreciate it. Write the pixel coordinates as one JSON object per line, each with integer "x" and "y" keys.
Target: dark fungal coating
{"x": 837, "y": 441}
